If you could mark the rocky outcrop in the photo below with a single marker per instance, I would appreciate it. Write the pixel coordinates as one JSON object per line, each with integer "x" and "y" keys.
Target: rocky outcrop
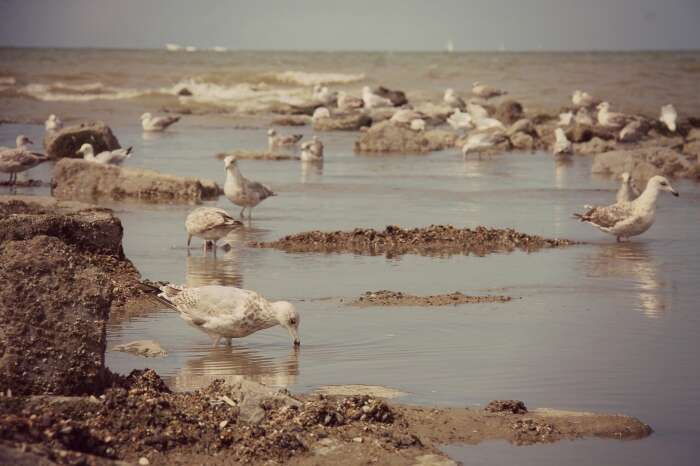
{"x": 398, "y": 98}
{"x": 594, "y": 146}
{"x": 291, "y": 120}
{"x": 78, "y": 179}
{"x": 62, "y": 270}
{"x": 508, "y": 112}
{"x": 385, "y": 137}
{"x": 643, "y": 163}
{"x": 65, "y": 143}
{"x": 342, "y": 122}
{"x": 523, "y": 141}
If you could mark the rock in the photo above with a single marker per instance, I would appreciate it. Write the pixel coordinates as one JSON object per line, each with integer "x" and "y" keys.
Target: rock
{"x": 594, "y": 146}
{"x": 434, "y": 114}
{"x": 79, "y": 179}
{"x": 692, "y": 150}
{"x": 643, "y": 163}
{"x": 398, "y": 98}
{"x": 145, "y": 348}
{"x": 523, "y": 125}
{"x": 291, "y": 120}
{"x": 65, "y": 143}
{"x": 657, "y": 139}
{"x": 693, "y": 135}
{"x": 379, "y": 114}
{"x": 342, "y": 122}
{"x": 389, "y": 138}
{"x": 143, "y": 461}
{"x": 508, "y": 112}
{"x": 543, "y": 118}
{"x": 506, "y": 406}
{"x": 253, "y": 398}
{"x": 184, "y": 92}
{"x": 584, "y": 133}
{"x": 523, "y": 141}
{"x": 634, "y": 131}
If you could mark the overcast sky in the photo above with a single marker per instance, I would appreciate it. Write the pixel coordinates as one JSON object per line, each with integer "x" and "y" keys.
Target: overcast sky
{"x": 354, "y": 24}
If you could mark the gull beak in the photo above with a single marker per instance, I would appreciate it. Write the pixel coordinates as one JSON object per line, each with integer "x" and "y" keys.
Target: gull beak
{"x": 674, "y": 192}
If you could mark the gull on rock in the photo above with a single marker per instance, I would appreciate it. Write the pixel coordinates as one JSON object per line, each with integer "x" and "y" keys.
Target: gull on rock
{"x": 241, "y": 191}
{"x": 626, "y": 219}
{"x": 210, "y": 224}
{"x": 312, "y": 151}
{"x": 321, "y": 112}
{"x": 611, "y": 119}
{"x": 372, "y": 100}
{"x": 565, "y": 119}
{"x": 562, "y": 145}
{"x": 669, "y": 116}
{"x": 584, "y": 117}
{"x": 275, "y": 140}
{"x": 582, "y": 99}
{"x": 349, "y": 102}
{"x": 157, "y": 123}
{"x": 479, "y": 141}
{"x": 53, "y": 124}
{"x": 486, "y": 92}
{"x": 453, "y": 100}
{"x": 628, "y": 192}
{"x": 108, "y": 157}
{"x": 229, "y": 312}
{"x": 405, "y": 116}
{"x": 459, "y": 120}
{"x": 20, "y": 158}
{"x": 324, "y": 95}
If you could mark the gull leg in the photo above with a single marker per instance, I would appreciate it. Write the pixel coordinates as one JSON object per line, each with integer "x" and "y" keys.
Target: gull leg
{"x": 242, "y": 210}
{"x": 228, "y": 342}
{"x": 189, "y": 240}
{"x": 216, "y": 341}
{"x": 214, "y": 247}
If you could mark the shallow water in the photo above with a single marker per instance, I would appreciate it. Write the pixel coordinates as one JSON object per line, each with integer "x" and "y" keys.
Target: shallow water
{"x": 598, "y": 327}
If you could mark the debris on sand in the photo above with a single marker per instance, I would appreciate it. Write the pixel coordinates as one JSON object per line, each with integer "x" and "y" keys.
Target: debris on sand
{"x": 145, "y": 348}
{"x": 506, "y": 406}
{"x": 435, "y": 240}
{"x": 398, "y": 298}
{"x": 242, "y": 154}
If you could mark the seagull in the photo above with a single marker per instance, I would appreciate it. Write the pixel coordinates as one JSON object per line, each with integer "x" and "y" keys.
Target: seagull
{"x": 229, "y": 312}
{"x": 372, "y": 100}
{"x": 669, "y": 117}
{"x": 274, "y": 140}
{"x": 324, "y": 95}
{"x": 477, "y": 111}
{"x": 476, "y": 142}
{"x": 20, "y": 158}
{"x": 565, "y": 119}
{"x": 453, "y": 100}
{"x": 210, "y": 224}
{"x": 158, "y": 123}
{"x": 583, "y": 117}
{"x": 488, "y": 123}
{"x": 418, "y": 124}
{"x": 562, "y": 145}
{"x": 486, "y": 92}
{"x": 241, "y": 191}
{"x": 459, "y": 120}
{"x": 628, "y": 192}
{"x": 108, "y": 157}
{"x": 349, "y": 102}
{"x": 611, "y": 119}
{"x": 405, "y": 116}
{"x": 312, "y": 151}
{"x": 321, "y": 112}
{"x": 53, "y": 124}
{"x": 582, "y": 99}
{"x": 627, "y": 219}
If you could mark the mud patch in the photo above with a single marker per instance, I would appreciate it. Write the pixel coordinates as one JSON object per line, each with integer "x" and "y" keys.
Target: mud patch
{"x": 398, "y": 298}
{"x": 435, "y": 240}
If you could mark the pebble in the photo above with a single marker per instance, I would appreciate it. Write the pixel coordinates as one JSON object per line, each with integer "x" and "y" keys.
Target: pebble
{"x": 143, "y": 461}
{"x": 357, "y": 440}
{"x": 223, "y": 424}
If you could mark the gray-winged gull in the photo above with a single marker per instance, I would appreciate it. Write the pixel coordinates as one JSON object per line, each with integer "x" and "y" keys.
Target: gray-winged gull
{"x": 108, "y": 157}
{"x": 210, "y": 224}
{"x": 275, "y": 140}
{"x": 20, "y": 158}
{"x": 241, "y": 191}
{"x": 157, "y": 123}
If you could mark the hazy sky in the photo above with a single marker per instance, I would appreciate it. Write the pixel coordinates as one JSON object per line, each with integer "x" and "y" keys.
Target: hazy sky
{"x": 354, "y": 24}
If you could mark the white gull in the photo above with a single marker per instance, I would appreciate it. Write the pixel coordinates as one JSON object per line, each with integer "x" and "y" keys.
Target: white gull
{"x": 611, "y": 119}
{"x": 453, "y": 100}
{"x": 275, "y": 140}
{"x": 372, "y": 100}
{"x": 210, "y": 224}
{"x": 53, "y": 124}
{"x": 669, "y": 116}
{"x": 157, "y": 123}
{"x": 312, "y": 151}
{"x": 229, "y": 312}
{"x": 108, "y": 157}
{"x": 486, "y": 92}
{"x": 582, "y": 99}
{"x": 562, "y": 145}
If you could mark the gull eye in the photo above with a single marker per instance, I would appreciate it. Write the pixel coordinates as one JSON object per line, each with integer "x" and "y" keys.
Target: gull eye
{"x": 663, "y": 183}
{"x": 292, "y": 321}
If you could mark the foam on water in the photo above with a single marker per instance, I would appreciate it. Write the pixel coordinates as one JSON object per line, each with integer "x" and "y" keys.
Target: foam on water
{"x": 309, "y": 79}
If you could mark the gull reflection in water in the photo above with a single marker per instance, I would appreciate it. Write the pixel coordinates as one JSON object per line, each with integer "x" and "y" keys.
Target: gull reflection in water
{"x": 233, "y": 364}
{"x": 633, "y": 261}
{"x": 223, "y": 269}
{"x": 310, "y": 170}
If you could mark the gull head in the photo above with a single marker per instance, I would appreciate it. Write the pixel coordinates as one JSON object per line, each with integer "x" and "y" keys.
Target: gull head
{"x": 625, "y": 177}
{"x": 230, "y": 161}
{"x": 660, "y": 183}
{"x": 52, "y": 117}
{"x": 271, "y": 132}
{"x": 288, "y": 317}
{"x": 476, "y": 84}
{"x": 604, "y": 106}
{"x": 23, "y": 141}
{"x": 146, "y": 116}
{"x": 449, "y": 93}
{"x": 85, "y": 149}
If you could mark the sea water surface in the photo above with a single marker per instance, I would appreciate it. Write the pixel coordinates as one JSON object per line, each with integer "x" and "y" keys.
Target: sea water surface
{"x": 600, "y": 326}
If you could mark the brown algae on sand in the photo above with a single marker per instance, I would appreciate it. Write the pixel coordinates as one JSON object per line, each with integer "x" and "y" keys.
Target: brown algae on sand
{"x": 435, "y": 240}
{"x": 398, "y": 298}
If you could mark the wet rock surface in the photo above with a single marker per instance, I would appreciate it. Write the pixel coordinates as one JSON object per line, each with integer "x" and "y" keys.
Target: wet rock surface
{"x": 138, "y": 417}
{"x": 66, "y": 142}
{"x": 506, "y": 406}
{"x": 398, "y": 298}
{"x": 258, "y": 155}
{"x": 62, "y": 269}
{"x": 342, "y": 122}
{"x": 643, "y": 163}
{"x": 433, "y": 240}
{"x": 82, "y": 180}
{"x": 386, "y": 137}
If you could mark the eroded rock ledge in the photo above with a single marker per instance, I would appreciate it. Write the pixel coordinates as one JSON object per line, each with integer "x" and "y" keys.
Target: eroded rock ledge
{"x": 398, "y": 298}
{"x": 433, "y": 240}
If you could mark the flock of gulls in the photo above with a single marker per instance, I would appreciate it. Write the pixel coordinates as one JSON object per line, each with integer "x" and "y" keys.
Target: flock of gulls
{"x": 229, "y": 312}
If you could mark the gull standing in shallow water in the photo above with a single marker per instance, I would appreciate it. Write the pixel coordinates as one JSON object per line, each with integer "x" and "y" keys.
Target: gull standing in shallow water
{"x": 562, "y": 145}
{"x": 53, "y": 124}
{"x": 108, "y": 157}
{"x": 628, "y": 192}
{"x": 486, "y": 92}
{"x": 312, "y": 151}
{"x": 627, "y": 219}
{"x": 229, "y": 312}
{"x": 210, "y": 224}
{"x": 241, "y": 191}
{"x": 274, "y": 140}
{"x": 19, "y": 159}
{"x": 158, "y": 123}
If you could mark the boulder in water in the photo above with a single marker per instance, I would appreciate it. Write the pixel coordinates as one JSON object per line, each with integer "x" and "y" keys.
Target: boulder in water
{"x": 66, "y": 142}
